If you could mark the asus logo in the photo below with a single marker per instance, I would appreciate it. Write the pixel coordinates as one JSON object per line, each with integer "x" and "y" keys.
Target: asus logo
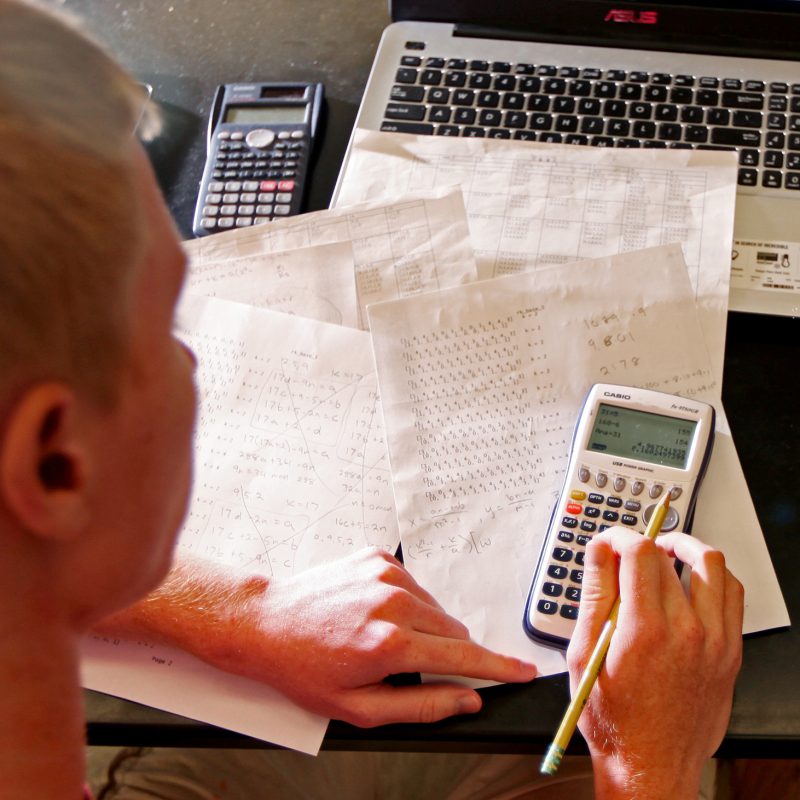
{"x": 638, "y": 17}
{"x": 614, "y": 394}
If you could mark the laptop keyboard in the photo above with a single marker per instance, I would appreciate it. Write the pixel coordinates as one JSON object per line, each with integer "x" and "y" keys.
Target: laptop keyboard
{"x": 603, "y": 108}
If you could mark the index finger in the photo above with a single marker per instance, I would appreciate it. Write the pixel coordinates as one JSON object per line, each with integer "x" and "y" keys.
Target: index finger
{"x": 438, "y": 655}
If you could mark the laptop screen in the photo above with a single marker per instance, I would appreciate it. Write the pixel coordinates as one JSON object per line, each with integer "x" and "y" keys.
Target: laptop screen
{"x": 759, "y": 28}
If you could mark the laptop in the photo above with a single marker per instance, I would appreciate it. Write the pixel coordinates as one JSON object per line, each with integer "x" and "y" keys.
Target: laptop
{"x": 702, "y": 74}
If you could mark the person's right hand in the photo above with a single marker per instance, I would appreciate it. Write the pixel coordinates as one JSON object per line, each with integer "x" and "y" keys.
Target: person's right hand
{"x": 326, "y": 637}
{"x": 662, "y": 701}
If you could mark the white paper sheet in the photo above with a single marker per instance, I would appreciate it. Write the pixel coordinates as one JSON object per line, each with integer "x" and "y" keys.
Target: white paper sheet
{"x": 291, "y": 470}
{"x": 532, "y": 204}
{"x": 480, "y": 389}
{"x": 316, "y": 282}
{"x": 406, "y": 246}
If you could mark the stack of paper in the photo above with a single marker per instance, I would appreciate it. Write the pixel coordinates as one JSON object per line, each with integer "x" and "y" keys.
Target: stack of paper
{"x": 520, "y": 276}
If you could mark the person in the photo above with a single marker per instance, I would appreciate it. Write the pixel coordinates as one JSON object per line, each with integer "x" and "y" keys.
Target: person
{"x": 97, "y": 406}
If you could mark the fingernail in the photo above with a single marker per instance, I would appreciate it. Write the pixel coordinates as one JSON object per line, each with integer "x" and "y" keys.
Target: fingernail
{"x": 469, "y": 704}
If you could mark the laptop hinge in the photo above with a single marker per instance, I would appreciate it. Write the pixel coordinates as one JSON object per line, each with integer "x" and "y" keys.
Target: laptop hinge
{"x": 719, "y": 44}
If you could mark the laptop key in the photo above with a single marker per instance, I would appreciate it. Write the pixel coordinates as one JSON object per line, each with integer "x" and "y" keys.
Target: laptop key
{"x": 771, "y": 179}
{"x": 447, "y": 130}
{"x": 541, "y": 122}
{"x": 463, "y": 97}
{"x": 406, "y": 75}
{"x": 736, "y": 137}
{"x": 773, "y": 159}
{"x": 696, "y": 134}
{"x": 404, "y": 111}
{"x": 745, "y": 100}
{"x": 748, "y": 177}
{"x": 747, "y": 119}
{"x": 455, "y": 79}
{"x": 438, "y": 96}
{"x": 421, "y": 129}
{"x": 488, "y": 99}
{"x": 409, "y": 94}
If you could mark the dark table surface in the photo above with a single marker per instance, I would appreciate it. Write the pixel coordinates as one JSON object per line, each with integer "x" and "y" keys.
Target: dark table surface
{"x": 184, "y": 49}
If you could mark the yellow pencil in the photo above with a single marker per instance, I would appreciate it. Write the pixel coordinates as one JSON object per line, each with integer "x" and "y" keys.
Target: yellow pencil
{"x": 569, "y": 722}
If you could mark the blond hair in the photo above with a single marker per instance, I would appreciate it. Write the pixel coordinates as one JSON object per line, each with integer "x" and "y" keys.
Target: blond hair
{"x": 70, "y": 217}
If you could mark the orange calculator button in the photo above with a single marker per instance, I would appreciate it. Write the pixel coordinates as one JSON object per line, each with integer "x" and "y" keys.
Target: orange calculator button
{"x": 574, "y": 508}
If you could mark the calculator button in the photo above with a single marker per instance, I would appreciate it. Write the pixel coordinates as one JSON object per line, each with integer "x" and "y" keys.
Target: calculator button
{"x": 260, "y": 138}
{"x": 633, "y": 505}
{"x": 297, "y": 134}
{"x": 583, "y": 475}
{"x": 225, "y": 222}
{"x": 574, "y": 508}
{"x": 573, "y": 593}
{"x": 248, "y": 197}
{"x": 576, "y": 576}
{"x": 230, "y": 197}
{"x": 565, "y": 536}
{"x": 233, "y": 186}
{"x": 583, "y": 540}
{"x": 586, "y": 525}
{"x": 601, "y": 479}
{"x": 577, "y": 494}
{"x": 562, "y": 554}
{"x": 614, "y": 502}
{"x": 283, "y": 197}
{"x": 210, "y": 211}
{"x": 675, "y": 492}
{"x": 208, "y": 223}
{"x": 247, "y": 211}
{"x": 569, "y": 522}
{"x": 547, "y": 607}
{"x": 224, "y": 135}
{"x": 619, "y": 484}
{"x": 655, "y": 490}
{"x": 268, "y": 186}
{"x": 596, "y": 498}
{"x": 579, "y": 558}
{"x": 266, "y": 197}
{"x": 637, "y": 487}
{"x": 282, "y": 210}
{"x": 251, "y": 186}
{"x": 628, "y": 519}
{"x": 610, "y": 516}
{"x": 216, "y": 186}
{"x": 237, "y": 136}
{"x": 591, "y": 511}
{"x": 557, "y": 572}
{"x": 552, "y": 589}
{"x": 227, "y": 210}
{"x": 264, "y": 210}
{"x": 243, "y": 222}
{"x": 671, "y": 518}
{"x": 285, "y": 186}
{"x": 569, "y": 612}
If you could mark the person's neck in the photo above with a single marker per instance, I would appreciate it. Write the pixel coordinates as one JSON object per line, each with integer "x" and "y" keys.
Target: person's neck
{"x": 41, "y": 705}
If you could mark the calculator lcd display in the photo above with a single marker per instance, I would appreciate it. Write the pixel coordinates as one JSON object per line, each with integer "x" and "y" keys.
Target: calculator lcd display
{"x": 655, "y": 438}
{"x": 266, "y": 115}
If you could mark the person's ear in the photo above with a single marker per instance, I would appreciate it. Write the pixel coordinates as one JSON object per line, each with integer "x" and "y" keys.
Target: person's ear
{"x": 43, "y": 463}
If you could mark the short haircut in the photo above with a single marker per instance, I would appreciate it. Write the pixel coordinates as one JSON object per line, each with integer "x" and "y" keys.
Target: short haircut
{"x": 71, "y": 225}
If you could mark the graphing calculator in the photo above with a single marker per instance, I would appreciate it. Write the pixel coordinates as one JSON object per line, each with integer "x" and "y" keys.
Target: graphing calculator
{"x": 260, "y": 137}
{"x": 629, "y": 447}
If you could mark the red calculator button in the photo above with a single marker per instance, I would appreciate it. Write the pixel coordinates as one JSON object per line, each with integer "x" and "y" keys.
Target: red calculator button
{"x": 574, "y": 508}
{"x": 285, "y": 186}
{"x": 268, "y": 186}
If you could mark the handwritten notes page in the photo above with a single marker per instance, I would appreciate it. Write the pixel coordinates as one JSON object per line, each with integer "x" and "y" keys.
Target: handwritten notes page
{"x": 400, "y": 248}
{"x": 480, "y": 388}
{"x": 316, "y": 282}
{"x": 291, "y": 470}
{"x": 532, "y": 204}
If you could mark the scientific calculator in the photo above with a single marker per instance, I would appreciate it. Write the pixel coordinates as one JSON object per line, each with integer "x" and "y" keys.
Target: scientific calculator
{"x": 630, "y": 446}
{"x": 260, "y": 138}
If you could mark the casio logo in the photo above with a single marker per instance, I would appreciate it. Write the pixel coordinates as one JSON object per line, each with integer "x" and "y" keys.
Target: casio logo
{"x": 618, "y": 396}
{"x": 636, "y": 17}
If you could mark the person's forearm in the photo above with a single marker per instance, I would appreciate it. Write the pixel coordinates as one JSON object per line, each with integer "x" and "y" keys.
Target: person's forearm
{"x": 198, "y": 608}
{"x": 613, "y": 781}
